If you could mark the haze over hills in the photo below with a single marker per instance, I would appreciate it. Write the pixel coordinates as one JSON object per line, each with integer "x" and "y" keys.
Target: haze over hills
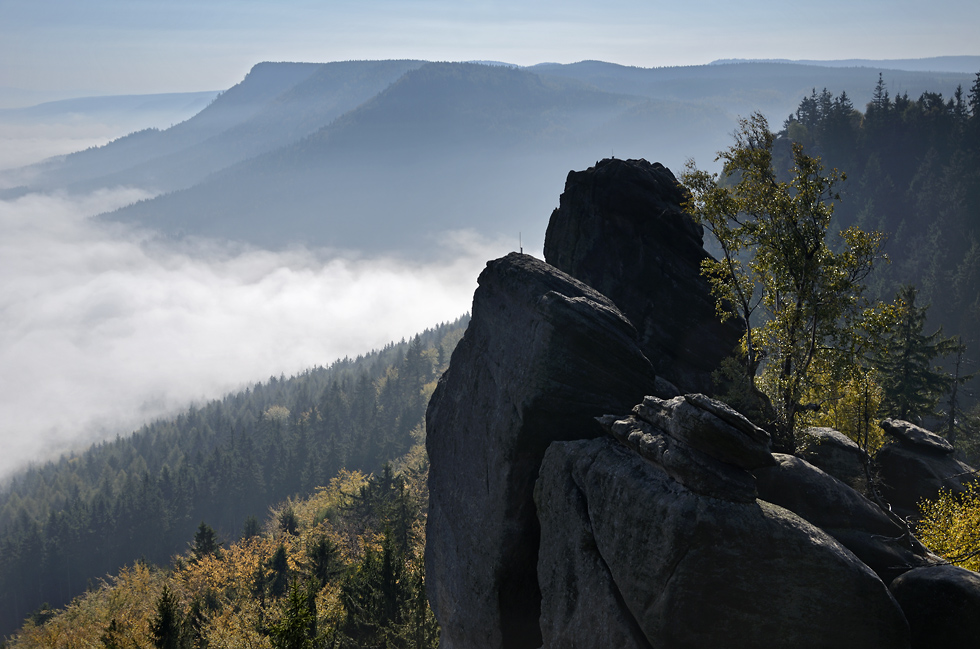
{"x": 383, "y": 155}
{"x": 967, "y": 64}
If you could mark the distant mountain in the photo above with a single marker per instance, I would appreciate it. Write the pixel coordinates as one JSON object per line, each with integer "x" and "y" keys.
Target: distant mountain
{"x": 746, "y": 86}
{"x": 243, "y": 127}
{"x": 130, "y": 107}
{"x": 385, "y": 155}
{"x": 448, "y": 146}
{"x": 966, "y": 64}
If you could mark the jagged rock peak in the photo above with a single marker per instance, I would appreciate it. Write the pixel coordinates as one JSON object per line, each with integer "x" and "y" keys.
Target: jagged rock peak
{"x": 543, "y": 355}
{"x": 620, "y": 229}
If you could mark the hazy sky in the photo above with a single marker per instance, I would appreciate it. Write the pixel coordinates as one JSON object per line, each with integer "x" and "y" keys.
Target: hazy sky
{"x": 81, "y": 47}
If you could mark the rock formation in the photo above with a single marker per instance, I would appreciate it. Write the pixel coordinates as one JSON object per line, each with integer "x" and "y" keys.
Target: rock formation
{"x": 884, "y": 543}
{"x": 543, "y": 356}
{"x": 916, "y": 464}
{"x": 631, "y": 556}
{"x": 620, "y": 229}
{"x": 942, "y": 604}
{"x": 835, "y": 453}
{"x": 577, "y": 500}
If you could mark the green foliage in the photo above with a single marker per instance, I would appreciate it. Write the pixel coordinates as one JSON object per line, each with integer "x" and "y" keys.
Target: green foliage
{"x": 278, "y": 575}
{"x": 296, "y": 628}
{"x": 912, "y": 384}
{"x": 325, "y": 559}
{"x": 950, "y": 526}
{"x": 334, "y": 583}
{"x": 167, "y": 628}
{"x": 384, "y": 602}
{"x": 916, "y": 176}
{"x": 288, "y": 522}
{"x": 205, "y": 542}
{"x": 777, "y": 259}
{"x": 251, "y": 528}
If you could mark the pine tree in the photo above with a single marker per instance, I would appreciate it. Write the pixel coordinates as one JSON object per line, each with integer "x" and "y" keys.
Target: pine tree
{"x": 205, "y": 542}
{"x": 296, "y": 628}
{"x": 167, "y": 628}
{"x": 911, "y": 383}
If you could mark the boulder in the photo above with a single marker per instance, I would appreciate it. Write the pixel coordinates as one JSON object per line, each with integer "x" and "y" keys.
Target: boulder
{"x": 881, "y": 541}
{"x": 543, "y": 355}
{"x": 835, "y": 453}
{"x": 942, "y": 605}
{"x": 701, "y": 443}
{"x": 630, "y": 557}
{"x": 916, "y": 436}
{"x": 916, "y": 465}
{"x": 620, "y": 228}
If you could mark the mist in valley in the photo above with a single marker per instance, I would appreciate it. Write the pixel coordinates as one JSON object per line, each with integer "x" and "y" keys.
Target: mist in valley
{"x": 108, "y": 326}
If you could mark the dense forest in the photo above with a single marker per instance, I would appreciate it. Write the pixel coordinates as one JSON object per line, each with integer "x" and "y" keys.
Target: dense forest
{"x": 913, "y": 173}
{"x": 67, "y": 523}
{"x": 339, "y": 568}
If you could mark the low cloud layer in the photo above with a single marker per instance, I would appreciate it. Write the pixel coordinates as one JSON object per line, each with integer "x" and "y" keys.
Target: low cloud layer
{"x": 103, "y": 327}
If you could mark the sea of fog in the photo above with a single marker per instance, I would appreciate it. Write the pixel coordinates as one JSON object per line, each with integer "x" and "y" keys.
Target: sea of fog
{"x": 104, "y": 327}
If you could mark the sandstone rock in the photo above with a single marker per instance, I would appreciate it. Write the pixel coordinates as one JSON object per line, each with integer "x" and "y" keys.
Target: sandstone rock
{"x": 857, "y": 523}
{"x": 619, "y": 228}
{"x": 543, "y": 356}
{"x": 697, "y": 471}
{"x": 711, "y": 427}
{"x": 835, "y": 453}
{"x": 916, "y": 466}
{"x": 686, "y": 570}
{"x": 916, "y": 436}
{"x": 942, "y": 605}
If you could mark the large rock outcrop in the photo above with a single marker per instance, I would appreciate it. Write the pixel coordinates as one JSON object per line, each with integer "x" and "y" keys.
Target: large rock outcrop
{"x": 881, "y": 541}
{"x": 543, "y": 356}
{"x": 916, "y": 464}
{"x": 669, "y": 525}
{"x": 620, "y": 229}
{"x": 630, "y": 557}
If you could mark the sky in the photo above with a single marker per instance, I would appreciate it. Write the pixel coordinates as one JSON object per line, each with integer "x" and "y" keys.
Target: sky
{"x": 104, "y": 327}
{"x": 61, "y": 48}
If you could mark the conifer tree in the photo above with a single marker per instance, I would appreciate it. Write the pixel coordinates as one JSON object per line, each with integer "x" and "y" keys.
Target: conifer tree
{"x": 294, "y": 628}
{"x": 167, "y": 628}
{"x": 205, "y": 542}
{"x": 911, "y": 382}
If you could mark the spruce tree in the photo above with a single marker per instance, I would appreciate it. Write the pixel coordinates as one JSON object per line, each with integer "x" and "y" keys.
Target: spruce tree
{"x": 912, "y": 384}
{"x": 167, "y": 628}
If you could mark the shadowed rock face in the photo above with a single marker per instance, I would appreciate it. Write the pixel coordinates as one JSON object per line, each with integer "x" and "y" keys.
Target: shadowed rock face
{"x": 834, "y": 452}
{"x": 857, "y": 523}
{"x": 630, "y": 557}
{"x": 543, "y": 356}
{"x": 942, "y": 604}
{"x": 916, "y": 465}
{"x": 620, "y": 229}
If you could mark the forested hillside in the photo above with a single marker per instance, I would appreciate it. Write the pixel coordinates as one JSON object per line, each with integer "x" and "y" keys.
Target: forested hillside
{"x": 913, "y": 173}
{"x": 340, "y": 568}
{"x": 65, "y": 524}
